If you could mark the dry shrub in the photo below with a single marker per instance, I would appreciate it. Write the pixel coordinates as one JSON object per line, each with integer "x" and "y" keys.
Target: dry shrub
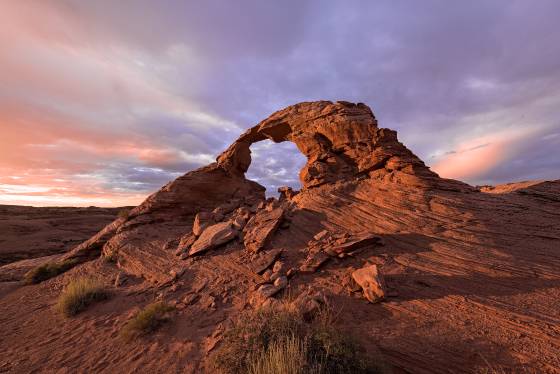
{"x": 147, "y": 320}
{"x": 276, "y": 340}
{"x": 283, "y": 356}
{"x": 47, "y": 271}
{"x": 79, "y": 294}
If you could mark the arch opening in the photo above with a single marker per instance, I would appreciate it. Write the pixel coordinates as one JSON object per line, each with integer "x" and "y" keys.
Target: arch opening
{"x": 275, "y": 165}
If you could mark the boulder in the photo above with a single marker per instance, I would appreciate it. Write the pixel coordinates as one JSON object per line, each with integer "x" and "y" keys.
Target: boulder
{"x": 371, "y": 282}
{"x": 201, "y": 221}
{"x": 261, "y": 227}
{"x": 213, "y": 237}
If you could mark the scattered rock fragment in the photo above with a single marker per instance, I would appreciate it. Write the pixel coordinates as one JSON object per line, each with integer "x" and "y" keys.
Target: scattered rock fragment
{"x": 261, "y": 228}
{"x": 239, "y": 222}
{"x": 308, "y": 303}
{"x": 281, "y": 282}
{"x": 201, "y": 221}
{"x": 353, "y": 243}
{"x": 267, "y": 275}
{"x": 320, "y": 235}
{"x": 213, "y": 237}
{"x": 313, "y": 262}
{"x": 264, "y": 260}
{"x": 371, "y": 282}
{"x": 185, "y": 243}
{"x": 120, "y": 279}
{"x": 278, "y": 267}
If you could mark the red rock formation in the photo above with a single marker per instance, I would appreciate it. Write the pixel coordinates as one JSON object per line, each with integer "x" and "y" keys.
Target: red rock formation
{"x": 465, "y": 271}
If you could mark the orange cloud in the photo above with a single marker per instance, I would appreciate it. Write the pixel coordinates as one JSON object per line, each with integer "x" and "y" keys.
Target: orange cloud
{"x": 475, "y": 157}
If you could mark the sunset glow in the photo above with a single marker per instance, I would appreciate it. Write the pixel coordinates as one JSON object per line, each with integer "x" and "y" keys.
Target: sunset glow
{"x": 102, "y": 103}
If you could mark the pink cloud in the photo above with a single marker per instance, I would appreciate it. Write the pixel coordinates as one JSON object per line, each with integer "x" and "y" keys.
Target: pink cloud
{"x": 475, "y": 157}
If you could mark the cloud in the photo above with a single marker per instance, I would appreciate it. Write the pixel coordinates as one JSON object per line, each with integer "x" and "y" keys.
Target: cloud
{"x": 127, "y": 95}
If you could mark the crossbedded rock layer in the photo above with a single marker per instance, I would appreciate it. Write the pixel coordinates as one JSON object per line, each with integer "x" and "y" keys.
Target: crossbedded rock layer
{"x": 342, "y": 143}
{"x": 468, "y": 276}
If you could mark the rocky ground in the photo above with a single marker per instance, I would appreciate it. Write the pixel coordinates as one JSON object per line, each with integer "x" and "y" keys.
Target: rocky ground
{"x": 438, "y": 275}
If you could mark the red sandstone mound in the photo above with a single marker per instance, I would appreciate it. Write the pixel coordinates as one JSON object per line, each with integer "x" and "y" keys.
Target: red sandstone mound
{"x": 439, "y": 275}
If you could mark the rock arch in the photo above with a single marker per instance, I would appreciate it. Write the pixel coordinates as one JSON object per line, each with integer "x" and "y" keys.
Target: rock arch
{"x": 340, "y": 140}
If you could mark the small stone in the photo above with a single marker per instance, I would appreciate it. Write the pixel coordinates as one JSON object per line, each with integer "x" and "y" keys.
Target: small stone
{"x": 263, "y": 261}
{"x": 268, "y": 290}
{"x": 180, "y": 306}
{"x": 239, "y": 223}
{"x": 371, "y": 282}
{"x": 267, "y": 274}
{"x": 278, "y": 267}
{"x": 261, "y": 228}
{"x": 320, "y": 235}
{"x": 291, "y": 272}
{"x": 281, "y": 282}
{"x": 190, "y": 299}
{"x": 313, "y": 262}
{"x": 185, "y": 243}
{"x": 120, "y": 279}
{"x": 309, "y": 304}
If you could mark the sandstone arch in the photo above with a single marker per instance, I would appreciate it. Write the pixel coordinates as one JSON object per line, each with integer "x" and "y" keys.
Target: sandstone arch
{"x": 340, "y": 140}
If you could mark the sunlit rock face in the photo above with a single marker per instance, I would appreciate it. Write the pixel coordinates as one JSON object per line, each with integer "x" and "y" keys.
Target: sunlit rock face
{"x": 340, "y": 140}
{"x": 342, "y": 143}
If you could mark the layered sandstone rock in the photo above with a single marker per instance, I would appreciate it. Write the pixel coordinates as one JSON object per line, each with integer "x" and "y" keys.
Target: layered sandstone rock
{"x": 340, "y": 140}
{"x": 466, "y": 271}
{"x": 342, "y": 143}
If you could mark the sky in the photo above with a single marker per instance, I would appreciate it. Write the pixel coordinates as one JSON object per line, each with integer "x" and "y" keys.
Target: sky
{"x": 103, "y": 102}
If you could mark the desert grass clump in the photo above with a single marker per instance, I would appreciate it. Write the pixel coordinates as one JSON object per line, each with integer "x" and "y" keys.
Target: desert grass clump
{"x": 79, "y": 294}
{"x": 46, "y": 271}
{"x": 284, "y": 356}
{"x": 278, "y": 341}
{"x": 124, "y": 213}
{"x": 147, "y": 320}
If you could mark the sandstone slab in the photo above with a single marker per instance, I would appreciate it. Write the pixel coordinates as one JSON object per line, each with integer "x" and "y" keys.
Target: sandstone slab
{"x": 371, "y": 282}
{"x": 261, "y": 227}
{"x": 213, "y": 237}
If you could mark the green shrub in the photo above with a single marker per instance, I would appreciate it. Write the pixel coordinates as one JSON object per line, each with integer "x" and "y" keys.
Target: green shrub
{"x": 79, "y": 294}
{"x": 47, "y": 271}
{"x": 277, "y": 340}
{"x": 147, "y": 320}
